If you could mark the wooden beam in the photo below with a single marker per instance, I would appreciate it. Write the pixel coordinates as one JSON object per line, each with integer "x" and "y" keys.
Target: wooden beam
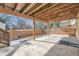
{"x": 29, "y": 7}
{"x": 63, "y": 13}
{"x": 59, "y": 10}
{"x": 33, "y": 29}
{"x": 51, "y": 11}
{"x": 10, "y": 5}
{"x": 33, "y": 8}
{"x": 15, "y": 6}
{"x": 8, "y": 11}
{"x": 5, "y": 5}
{"x": 46, "y": 9}
{"x": 38, "y": 8}
{"x": 77, "y": 26}
{"x": 11, "y": 12}
{"x": 77, "y": 14}
{"x": 48, "y": 27}
{"x": 2, "y": 5}
{"x": 65, "y": 9}
{"x": 65, "y": 17}
{"x": 19, "y": 6}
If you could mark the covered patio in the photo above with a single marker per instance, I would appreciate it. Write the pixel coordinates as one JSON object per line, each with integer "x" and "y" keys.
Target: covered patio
{"x": 47, "y": 29}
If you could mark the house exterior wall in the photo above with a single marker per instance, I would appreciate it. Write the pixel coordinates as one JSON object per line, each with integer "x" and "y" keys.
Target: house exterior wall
{"x": 2, "y": 25}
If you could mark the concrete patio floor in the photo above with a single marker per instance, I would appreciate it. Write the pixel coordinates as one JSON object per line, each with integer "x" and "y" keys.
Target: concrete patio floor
{"x": 27, "y": 47}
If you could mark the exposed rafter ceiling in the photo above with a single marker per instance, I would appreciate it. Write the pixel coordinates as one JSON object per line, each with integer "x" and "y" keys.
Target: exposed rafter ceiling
{"x": 29, "y": 7}
{"x": 37, "y": 8}
{"x": 44, "y": 11}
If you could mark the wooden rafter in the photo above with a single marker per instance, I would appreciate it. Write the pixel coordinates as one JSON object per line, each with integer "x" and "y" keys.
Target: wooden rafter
{"x": 65, "y": 9}
{"x": 37, "y": 8}
{"x": 64, "y": 12}
{"x": 61, "y": 10}
{"x": 33, "y": 8}
{"x": 29, "y": 7}
{"x": 40, "y": 11}
{"x": 52, "y": 10}
{"x": 19, "y": 6}
{"x": 10, "y": 5}
{"x": 65, "y": 17}
{"x": 2, "y": 5}
{"x": 15, "y": 6}
{"x": 45, "y": 9}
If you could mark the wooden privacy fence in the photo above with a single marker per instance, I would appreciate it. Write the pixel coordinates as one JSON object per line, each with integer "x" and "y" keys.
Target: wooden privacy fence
{"x": 16, "y": 34}
{"x": 63, "y": 31}
{"x": 4, "y": 37}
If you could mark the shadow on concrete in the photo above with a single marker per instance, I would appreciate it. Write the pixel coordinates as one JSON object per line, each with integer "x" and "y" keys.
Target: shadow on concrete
{"x": 63, "y": 50}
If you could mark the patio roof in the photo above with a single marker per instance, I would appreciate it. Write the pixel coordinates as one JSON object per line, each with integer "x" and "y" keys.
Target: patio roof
{"x": 41, "y": 11}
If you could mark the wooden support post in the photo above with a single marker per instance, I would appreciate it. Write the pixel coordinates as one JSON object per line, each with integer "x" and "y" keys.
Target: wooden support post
{"x": 8, "y": 39}
{"x": 48, "y": 27}
{"x": 34, "y": 30}
{"x": 77, "y": 27}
